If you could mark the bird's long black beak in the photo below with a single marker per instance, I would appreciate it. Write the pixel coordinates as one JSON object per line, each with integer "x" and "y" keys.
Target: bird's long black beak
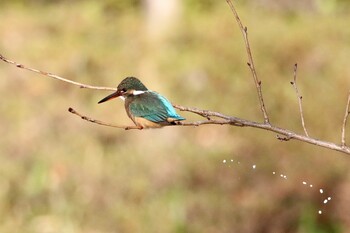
{"x": 111, "y": 96}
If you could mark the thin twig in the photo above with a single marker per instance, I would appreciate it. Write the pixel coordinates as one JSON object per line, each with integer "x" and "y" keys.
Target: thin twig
{"x": 250, "y": 63}
{"x": 294, "y": 83}
{"x": 347, "y": 112}
{"x": 89, "y": 119}
{"x": 48, "y": 74}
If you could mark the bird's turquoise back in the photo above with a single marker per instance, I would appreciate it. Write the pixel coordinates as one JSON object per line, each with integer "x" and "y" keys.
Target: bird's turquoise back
{"x": 151, "y": 106}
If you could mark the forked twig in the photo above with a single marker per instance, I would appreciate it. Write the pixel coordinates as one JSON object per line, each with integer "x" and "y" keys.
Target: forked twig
{"x": 250, "y": 63}
{"x": 347, "y": 112}
{"x": 294, "y": 83}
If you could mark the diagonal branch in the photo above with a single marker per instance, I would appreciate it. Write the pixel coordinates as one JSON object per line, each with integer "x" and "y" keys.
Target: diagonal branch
{"x": 347, "y": 112}
{"x": 250, "y": 63}
{"x": 294, "y": 83}
{"x": 48, "y": 74}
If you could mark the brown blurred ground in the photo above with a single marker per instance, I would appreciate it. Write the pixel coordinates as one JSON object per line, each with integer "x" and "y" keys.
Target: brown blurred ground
{"x": 60, "y": 174}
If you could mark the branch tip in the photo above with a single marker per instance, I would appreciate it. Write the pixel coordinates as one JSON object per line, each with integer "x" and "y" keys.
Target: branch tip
{"x": 300, "y": 97}
{"x": 347, "y": 112}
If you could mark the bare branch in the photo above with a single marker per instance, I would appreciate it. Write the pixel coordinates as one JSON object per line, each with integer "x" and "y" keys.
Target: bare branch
{"x": 294, "y": 83}
{"x": 221, "y": 119}
{"x": 347, "y": 112}
{"x": 233, "y": 121}
{"x": 48, "y": 74}
{"x": 204, "y": 113}
{"x": 250, "y": 63}
{"x": 86, "y": 118}
{"x": 179, "y": 123}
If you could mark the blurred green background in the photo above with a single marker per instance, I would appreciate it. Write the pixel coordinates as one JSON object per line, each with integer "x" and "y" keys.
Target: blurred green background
{"x": 61, "y": 174}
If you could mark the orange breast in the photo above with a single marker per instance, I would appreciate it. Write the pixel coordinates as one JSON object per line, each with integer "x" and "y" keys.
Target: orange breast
{"x": 144, "y": 123}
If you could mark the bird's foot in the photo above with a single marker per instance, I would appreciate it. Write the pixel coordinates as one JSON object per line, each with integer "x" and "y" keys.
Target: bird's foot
{"x": 177, "y": 123}
{"x": 133, "y": 127}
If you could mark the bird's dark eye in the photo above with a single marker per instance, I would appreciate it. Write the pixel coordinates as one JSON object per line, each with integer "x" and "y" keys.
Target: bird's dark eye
{"x": 124, "y": 89}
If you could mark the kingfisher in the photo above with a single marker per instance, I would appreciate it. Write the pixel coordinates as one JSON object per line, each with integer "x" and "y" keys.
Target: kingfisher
{"x": 146, "y": 108}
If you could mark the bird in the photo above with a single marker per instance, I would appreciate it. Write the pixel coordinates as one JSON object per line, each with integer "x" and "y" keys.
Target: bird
{"x": 146, "y": 108}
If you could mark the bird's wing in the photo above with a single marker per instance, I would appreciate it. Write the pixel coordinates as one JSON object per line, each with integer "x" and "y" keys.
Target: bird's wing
{"x": 171, "y": 112}
{"x": 148, "y": 105}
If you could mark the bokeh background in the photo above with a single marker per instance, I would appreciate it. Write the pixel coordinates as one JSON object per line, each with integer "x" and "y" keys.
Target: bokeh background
{"x": 61, "y": 174}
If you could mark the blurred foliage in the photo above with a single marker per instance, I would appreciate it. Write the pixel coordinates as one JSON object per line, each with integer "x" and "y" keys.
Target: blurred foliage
{"x": 60, "y": 174}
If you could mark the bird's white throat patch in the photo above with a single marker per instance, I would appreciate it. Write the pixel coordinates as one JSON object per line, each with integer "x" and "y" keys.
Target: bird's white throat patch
{"x": 136, "y": 92}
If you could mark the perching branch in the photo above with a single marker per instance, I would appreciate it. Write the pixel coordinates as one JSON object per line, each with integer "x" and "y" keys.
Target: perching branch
{"x": 213, "y": 117}
{"x": 234, "y": 121}
{"x": 300, "y": 98}
{"x": 179, "y": 123}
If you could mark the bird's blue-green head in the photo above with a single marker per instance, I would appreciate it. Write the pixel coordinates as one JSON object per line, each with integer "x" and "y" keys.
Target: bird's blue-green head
{"x": 129, "y": 86}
